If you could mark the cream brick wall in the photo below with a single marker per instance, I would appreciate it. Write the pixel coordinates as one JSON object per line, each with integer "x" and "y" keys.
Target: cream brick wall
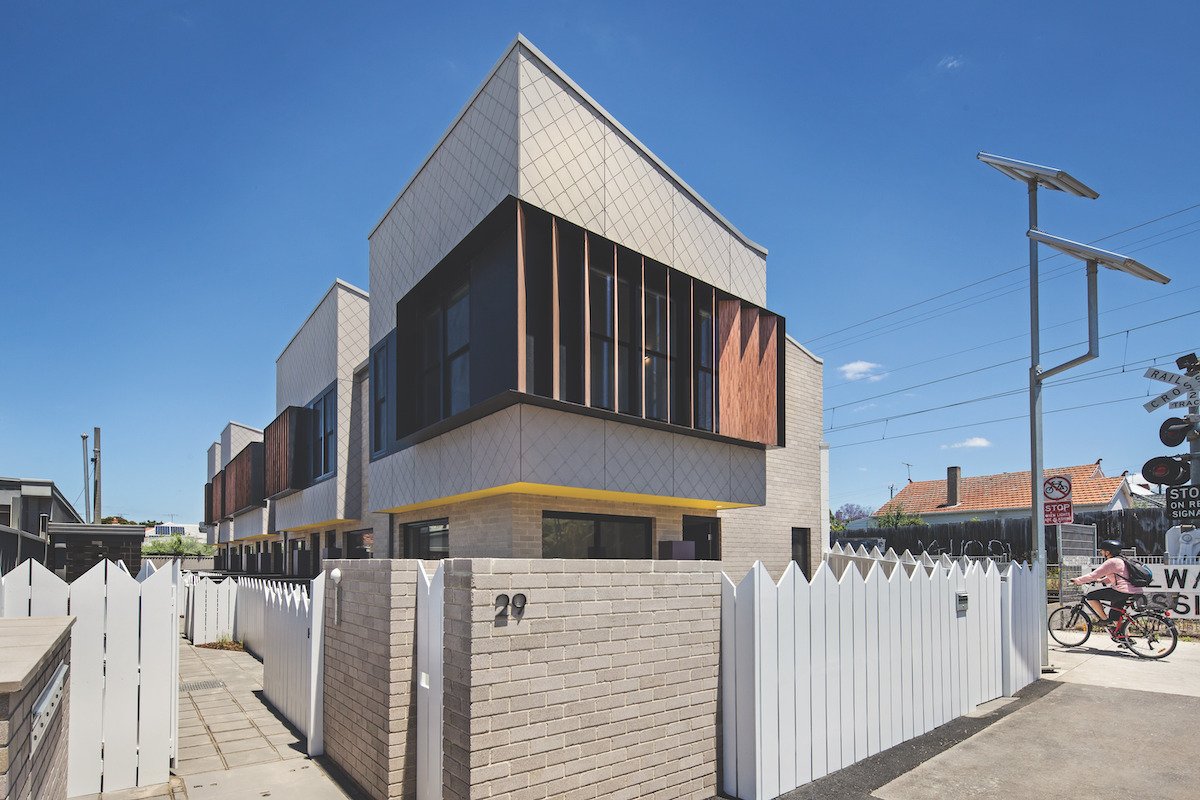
{"x": 510, "y": 525}
{"x": 370, "y": 705}
{"x": 793, "y": 482}
{"x": 607, "y": 687}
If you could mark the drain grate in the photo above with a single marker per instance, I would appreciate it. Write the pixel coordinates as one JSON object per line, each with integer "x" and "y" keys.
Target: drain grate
{"x": 198, "y": 686}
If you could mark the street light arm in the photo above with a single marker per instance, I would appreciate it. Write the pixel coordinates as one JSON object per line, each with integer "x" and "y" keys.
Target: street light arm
{"x": 1093, "y": 329}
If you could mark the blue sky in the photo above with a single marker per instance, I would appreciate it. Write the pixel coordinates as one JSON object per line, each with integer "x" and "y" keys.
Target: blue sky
{"x": 181, "y": 182}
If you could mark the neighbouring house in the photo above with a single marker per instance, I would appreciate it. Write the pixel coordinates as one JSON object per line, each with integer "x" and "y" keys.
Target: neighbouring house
{"x": 27, "y": 507}
{"x": 566, "y": 353}
{"x": 961, "y": 498}
{"x": 77, "y": 547}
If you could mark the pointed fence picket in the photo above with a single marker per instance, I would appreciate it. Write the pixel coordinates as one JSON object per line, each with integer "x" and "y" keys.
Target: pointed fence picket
{"x": 124, "y": 671}
{"x": 817, "y": 675}
{"x": 430, "y": 623}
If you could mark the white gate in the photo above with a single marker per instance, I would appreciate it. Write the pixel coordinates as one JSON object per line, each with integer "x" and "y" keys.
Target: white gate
{"x": 210, "y": 610}
{"x": 430, "y": 604}
{"x": 124, "y": 672}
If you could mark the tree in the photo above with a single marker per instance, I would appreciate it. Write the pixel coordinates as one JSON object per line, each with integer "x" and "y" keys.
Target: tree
{"x": 177, "y": 545}
{"x": 896, "y": 517}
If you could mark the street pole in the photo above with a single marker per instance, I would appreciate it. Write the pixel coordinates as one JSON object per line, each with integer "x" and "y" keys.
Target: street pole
{"x": 96, "y": 515}
{"x": 86, "y": 494}
{"x": 1038, "y": 504}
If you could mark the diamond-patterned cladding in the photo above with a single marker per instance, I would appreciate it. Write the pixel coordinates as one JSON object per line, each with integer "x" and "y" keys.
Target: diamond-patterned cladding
{"x": 496, "y": 449}
{"x": 469, "y": 174}
{"x": 639, "y": 198}
{"x": 747, "y": 475}
{"x": 701, "y": 468}
{"x": 637, "y": 459}
{"x": 561, "y": 449}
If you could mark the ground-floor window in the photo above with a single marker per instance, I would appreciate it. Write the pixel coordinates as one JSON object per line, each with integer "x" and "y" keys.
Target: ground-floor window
{"x": 425, "y": 540}
{"x": 358, "y": 544}
{"x": 566, "y": 535}
{"x": 800, "y": 553}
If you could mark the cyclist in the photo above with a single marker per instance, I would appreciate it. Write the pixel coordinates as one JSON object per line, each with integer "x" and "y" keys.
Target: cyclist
{"x": 1119, "y": 590}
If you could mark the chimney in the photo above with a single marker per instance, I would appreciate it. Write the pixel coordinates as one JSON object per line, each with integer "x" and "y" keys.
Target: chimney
{"x": 953, "y": 476}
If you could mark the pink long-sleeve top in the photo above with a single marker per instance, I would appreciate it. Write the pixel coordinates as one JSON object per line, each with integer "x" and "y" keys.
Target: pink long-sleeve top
{"x": 1114, "y": 573}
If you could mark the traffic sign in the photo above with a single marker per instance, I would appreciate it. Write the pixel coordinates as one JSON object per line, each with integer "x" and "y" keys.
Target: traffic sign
{"x": 1056, "y": 492}
{"x": 1181, "y": 385}
{"x": 1183, "y": 504}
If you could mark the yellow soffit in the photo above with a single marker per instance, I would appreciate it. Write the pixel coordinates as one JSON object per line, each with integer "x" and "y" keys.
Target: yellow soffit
{"x": 572, "y": 492}
{"x": 316, "y": 526}
{"x": 257, "y": 538}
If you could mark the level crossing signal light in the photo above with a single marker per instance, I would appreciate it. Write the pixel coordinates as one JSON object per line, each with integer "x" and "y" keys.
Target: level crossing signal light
{"x": 1167, "y": 470}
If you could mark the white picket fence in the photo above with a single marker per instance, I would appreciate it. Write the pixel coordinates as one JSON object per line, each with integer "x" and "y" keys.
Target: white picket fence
{"x": 282, "y": 624}
{"x": 124, "y": 672}
{"x": 871, "y": 653}
{"x": 431, "y": 593}
{"x": 211, "y": 606}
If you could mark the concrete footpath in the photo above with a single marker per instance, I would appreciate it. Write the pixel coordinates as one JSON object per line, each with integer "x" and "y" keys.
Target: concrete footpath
{"x": 233, "y": 746}
{"x": 1106, "y": 724}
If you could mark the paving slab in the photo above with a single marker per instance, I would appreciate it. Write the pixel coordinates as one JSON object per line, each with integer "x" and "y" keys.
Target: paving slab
{"x": 291, "y": 780}
{"x": 1052, "y": 749}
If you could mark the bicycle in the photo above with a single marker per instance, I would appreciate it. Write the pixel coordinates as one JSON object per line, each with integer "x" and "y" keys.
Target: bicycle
{"x": 1149, "y": 634}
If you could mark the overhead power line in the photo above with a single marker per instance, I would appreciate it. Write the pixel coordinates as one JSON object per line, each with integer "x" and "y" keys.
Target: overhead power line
{"x": 993, "y": 277}
{"x": 892, "y": 370}
{"x": 984, "y": 422}
{"x": 1005, "y": 364}
{"x": 1106, "y": 372}
{"x": 992, "y": 294}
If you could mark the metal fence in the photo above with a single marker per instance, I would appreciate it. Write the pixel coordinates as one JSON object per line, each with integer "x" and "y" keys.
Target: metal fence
{"x": 1076, "y": 548}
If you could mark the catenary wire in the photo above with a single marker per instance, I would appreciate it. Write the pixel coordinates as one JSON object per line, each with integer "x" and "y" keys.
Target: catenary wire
{"x": 995, "y": 276}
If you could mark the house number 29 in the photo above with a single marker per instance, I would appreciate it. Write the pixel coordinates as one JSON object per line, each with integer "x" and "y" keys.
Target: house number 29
{"x": 506, "y": 606}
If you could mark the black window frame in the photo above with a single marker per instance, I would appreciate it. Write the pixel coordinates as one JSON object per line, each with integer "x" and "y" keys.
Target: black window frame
{"x": 597, "y": 521}
{"x": 323, "y": 435}
{"x": 381, "y": 375}
{"x": 413, "y": 546}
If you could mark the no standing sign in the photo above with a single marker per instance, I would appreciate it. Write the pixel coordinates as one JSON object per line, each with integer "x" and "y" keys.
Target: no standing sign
{"x": 1056, "y": 491}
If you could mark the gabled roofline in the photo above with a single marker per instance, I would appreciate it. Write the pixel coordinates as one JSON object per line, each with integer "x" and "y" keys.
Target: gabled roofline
{"x": 521, "y": 41}
{"x": 336, "y": 283}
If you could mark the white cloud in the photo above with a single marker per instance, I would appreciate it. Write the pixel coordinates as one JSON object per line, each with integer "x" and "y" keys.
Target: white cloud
{"x": 863, "y": 407}
{"x": 974, "y": 441}
{"x": 951, "y": 62}
{"x": 862, "y": 469}
{"x": 862, "y": 371}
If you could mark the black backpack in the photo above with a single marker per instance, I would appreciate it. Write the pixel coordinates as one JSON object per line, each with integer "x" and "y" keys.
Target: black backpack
{"x": 1137, "y": 573}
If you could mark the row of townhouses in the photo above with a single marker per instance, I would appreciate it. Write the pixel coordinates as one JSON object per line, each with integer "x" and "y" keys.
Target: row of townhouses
{"x": 566, "y": 352}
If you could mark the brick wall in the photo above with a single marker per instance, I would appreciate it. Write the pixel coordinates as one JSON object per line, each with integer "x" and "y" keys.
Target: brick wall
{"x": 370, "y": 705}
{"x": 510, "y": 525}
{"x": 764, "y": 533}
{"x": 607, "y": 687}
{"x": 44, "y": 776}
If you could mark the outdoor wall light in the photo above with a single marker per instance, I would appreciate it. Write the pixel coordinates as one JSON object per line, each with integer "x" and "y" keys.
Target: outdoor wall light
{"x": 335, "y": 577}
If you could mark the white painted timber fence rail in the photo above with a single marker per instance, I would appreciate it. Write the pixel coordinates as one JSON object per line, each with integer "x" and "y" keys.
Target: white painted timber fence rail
{"x": 123, "y": 714}
{"x": 210, "y": 610}
{"x": 819, "y": 675}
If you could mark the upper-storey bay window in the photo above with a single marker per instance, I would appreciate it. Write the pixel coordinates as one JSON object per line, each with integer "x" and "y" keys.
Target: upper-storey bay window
{"x": 532, "y": 306}
{"x": 323, "y": 447}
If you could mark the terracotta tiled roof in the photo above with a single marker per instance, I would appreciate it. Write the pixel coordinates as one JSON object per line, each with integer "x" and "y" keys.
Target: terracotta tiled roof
{"x": 1006, "y": 490}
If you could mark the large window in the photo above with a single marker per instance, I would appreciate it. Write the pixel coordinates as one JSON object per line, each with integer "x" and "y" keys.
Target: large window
{"x": 654, "y": 362}
{"x": 703, "y": 352}
{"x": 323, "y": 441}
{"x": 379, "y": 397}
{"x": 445, "y": 382}
{"x": 600, "y": 298}
{"x": 426, "y": 540}
{"x": 567, "y": 535}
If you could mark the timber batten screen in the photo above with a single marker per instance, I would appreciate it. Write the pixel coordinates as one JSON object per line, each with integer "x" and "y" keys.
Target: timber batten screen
{"x": 287, "y": 451}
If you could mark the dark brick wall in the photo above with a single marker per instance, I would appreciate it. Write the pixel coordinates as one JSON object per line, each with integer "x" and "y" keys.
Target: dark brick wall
{"x": 84, "y": 551}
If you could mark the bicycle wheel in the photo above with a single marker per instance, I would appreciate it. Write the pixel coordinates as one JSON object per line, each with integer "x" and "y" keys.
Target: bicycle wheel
{"x": 1151, "y": 636}
{"x": 1069, "y": 626}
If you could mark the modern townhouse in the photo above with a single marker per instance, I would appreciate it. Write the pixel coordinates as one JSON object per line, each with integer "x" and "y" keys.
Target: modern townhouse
{"x": 571, "y": 353}
{"x": 566, "y": 353}
{"x": 293, "y": 493}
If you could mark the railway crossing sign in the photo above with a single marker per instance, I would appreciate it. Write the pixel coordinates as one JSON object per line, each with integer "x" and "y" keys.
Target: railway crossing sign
{"x": 1182, "y": 388}
{"x": 1056, "y": 491}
